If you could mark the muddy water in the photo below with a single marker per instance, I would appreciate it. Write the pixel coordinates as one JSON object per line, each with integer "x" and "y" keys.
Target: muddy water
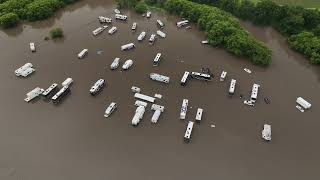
{"x": 74, "y": 140}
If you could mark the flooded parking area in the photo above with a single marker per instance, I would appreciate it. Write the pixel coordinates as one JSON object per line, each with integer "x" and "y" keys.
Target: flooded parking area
{"x": 73, "y": 140}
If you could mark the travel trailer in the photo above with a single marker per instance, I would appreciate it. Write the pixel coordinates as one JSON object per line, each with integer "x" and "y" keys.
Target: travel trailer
{"x": 187, "y": 134}
{"x": 83, "y": 53}
{"x": 254, "y": 92}
{"x": 232, "y": 86}
{"x": 115, "y": 64}
{"x": 112, "y": 30}
{"x": 97, "y": 87}
{"x": 223, "y": 76}
{"x": 157, "y": 112}
{"x": 99, "y": 30}
{"x": 32, "y": 47}
{"x": 24, "y": 70}
{"x": 182, "y": 23}
{"x": 134, "y": 26}
{"x": 33, "y": 94}
{"x": 110, "y": 109}
{"x": 117, "y": 11}
{"x": 127, "y": 64}
{"x": 141, "y": 36}
{"x": 103, "y": 19}
{"x": 67, "y": 82}
{"x": 127, "y": 46}
{"x": 60, "y": 94}
{"x": 185, "y": 78}
{"x": 160, "y": 23}
{"x": 159, "y": 78}
{"x": 199, "y": 115}
{"x": 148, "y": 14}
{"x": 140, "y": 103}
{"x": 157, "y": 59}
{"x": 121, "y": 17}
{"x": 184, "y": 109}
{"x": 161, "y": 34}
{"x": 138, "y": 115}
{"x": 201, "y": 76}
{"x": 266, "y": 132}
{"x": 303, "y": 103}
{"x": 152, "y": 38}
{"x": 144, "y": 97}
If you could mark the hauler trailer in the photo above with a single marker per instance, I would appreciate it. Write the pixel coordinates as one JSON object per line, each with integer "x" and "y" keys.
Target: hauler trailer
{"x": 185, "y": 78}
{"x": 157, "y": 59}
{"x": 201, "y": 76}
{"x": 99, "y": 30}
{"x": 159, "y": 78}
{"x": 157, "y": 112}
{"x": 50, "y": 90}
{"x": 152, "y": 38}
{"x": 254, "y": 92}
{"x": 160, "y": 23}
{"x": 199, "y": 115}
{"x": 83, "y": 53}
{"x": 182, "y": 23}
{"x": 115, "y": 64}
{"x": 187, "y": 134}
{"x": 121, "y": 17}
{"x": 141, "y": 36}
{"x": 144, "y": 97}
{"x": 112, "y": 30}
{"x": 110, "y": 109}
{"x": 303, "y": 103}
{"x": 67, "y": 82}
{"x": 266, "y": 132}
{"x": 60, "y": 94}
{"x": 33, "y": 94}
{"x": 103, "y": 19}
{"x": 138, "y": 115}
{"x": 223, "y": 76}
{"x": 184, "y": 109}
{"x": 97, "y": 87}
{"x": 161, "y": 34}
{"x": 232, "y": 86}
{"x": 127, "y": 46}
{"x": 32, "y": 47}
{"x": 127, "y": 64}
{"x": 134, "y": 26}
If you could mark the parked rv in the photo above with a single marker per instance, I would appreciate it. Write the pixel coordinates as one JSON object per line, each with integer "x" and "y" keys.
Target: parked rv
{"x": 67, "y": 82}
{"x": 33, "y": 94}
{"x": 157, "y": 112}
{"x": 24, "y": 70}
{"x": 201, "y": 76}
{"x": 127, "y": 64}
{"x": 182, "y": 23}
{"x": 115, "y": 64}
{"x": 148, "y": 14}
{"x": 103, "y": 19}
{"x": 199, "y": 115}
{"x": 152, "y": 38}
{"x": 138, "y": 115}
{"x": 97, "y": 87}
{"x": 266, "y": 132}
{"x": 184, "y": 109}
{"x": 60, "y": 94}
{"x": 223, "y": 76}
{"x": 32, "y": 47}
{"x": 127, "y": 46}
{"x": 232, "y": 86}
{"x": 160, "y": 23}
{"x": 185, "y": 78}
{"x": 159, "y": 78}
{"x": 83, "y": 53}
{"x": 110, "y": 109}
{"x": 187, "y": 134}
{"x": 157, "y": 59}
{"x": 99, "y": 30}
{"x": 50, "y": 90}
{"x": 121, "y": 17}
{"x": 112, "y": 30}
{"x": 303, "y": 103}
{"x": 134, "y": 26}
{"x": 141, "y": 36}
{"x": 117, "y": 11}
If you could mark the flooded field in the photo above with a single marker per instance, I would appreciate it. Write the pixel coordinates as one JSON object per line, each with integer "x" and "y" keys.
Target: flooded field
{"x": 73, "y": 141}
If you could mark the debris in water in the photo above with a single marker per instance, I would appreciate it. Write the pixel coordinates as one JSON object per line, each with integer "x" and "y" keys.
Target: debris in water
{"x": 247, "y": 70}
{"x": 267, "y": 100}
{"x": 212, "y": 125}
{"x": 99, "y": 51}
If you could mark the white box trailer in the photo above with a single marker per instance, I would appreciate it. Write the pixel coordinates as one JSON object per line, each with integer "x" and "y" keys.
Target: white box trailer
{"x": 159, "y": 78}
{"x": 185, "y": 78}
{"x": 223, "y": 76}
{"x": 134, "y": 26}
{"x": 157, "y": 59}
{"x": 184, "y": 109}
{"x": 232, "y": 86}
{"x": 83, "y": 53}
{"x": 303, "y": 103}
{"x": 187, "y": 134}
{"x": 144, "y": 97}
{"x": 199, "y": 114}
{"x": 127, "y": 46}
{"x": 254, "y": 92}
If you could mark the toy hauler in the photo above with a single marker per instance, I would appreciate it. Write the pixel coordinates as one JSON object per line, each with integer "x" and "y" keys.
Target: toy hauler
{"x": 157, "y": 59}
{"x": 184, "y": 109}
{"x": 110, "y": 109}
{"x": 97, "y": 87}
{"x": 187, "y": 134}
{"x": 127, "y": 46}
{"x": 83, "y": 53}
{"x": 141, "y": 36}
{"x": 159, "y": 78}
{"x": 185, "y": 78}
{"x": 50, "y": 90}
{"x": 232, "y": 86}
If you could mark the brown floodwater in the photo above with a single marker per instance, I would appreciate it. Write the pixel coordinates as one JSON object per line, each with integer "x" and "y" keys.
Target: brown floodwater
{"x": 73, "y": 141}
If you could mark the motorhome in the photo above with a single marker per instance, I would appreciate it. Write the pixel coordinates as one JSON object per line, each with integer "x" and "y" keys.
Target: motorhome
{"x": 112, "y": 30}
{"x": 201, "y": 76}
{"x": 103, "y": 19}
{"x": 32, "y": 47}
{"x": 83, "y": 53}
{"x": 121, "y": 17}
{"x": 185, "y": 78}
{"x": 160, "y": 23}
{"x": 254, "y": 92}
{"x": 60, "y": 94}
{"x": 184, "y": 109}
{"x": 127, "y": 64}
{"x": 232, "y": 86}
{"x": 110, "y": 109}
{"x": 144, "y": 97}
{"x": 127, "y": 46}
{"x": 157, "y": 112}
{"x": 266, "y": 132}
{"x": 50, "y": 90}
{"x": 161, "y": 34}
{"x": 187, "y": 134}
{"x": 33, "y": 94}
{"x": 97, "y": 87}
{"x": 223, "y": 76}
{"x": 138, "y": 115}
{"x": 199, "y": 114}
{"x": 182, "y": 23}
{"x": 99, "y": 30}
{"x": 67, "y": 82}
{"x": 115, "y": 63}
{"x": 24, "y": 70}
{"x": 134, "y": 26}
{"x": 141, "y": 36}
{"x": 303, "y": 103}
{"x": 159, "y": 77}
{"x": 152, "y": 38}
{"x": 157, "y": 59}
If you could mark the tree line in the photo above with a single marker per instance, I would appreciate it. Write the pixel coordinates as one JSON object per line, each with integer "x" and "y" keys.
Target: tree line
{"x": 12, "y": 11}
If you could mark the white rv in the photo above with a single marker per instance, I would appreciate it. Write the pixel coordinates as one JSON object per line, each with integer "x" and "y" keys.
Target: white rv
{"x": 98, "y": 85}
{"x": 127, "y": 64}
{"x": 152, "y": 38}
{"x": 121, "y": 17}
{"x": 32, "y": 47}
{"x": 110, "y": 109}
{"x": 33, "y": 94}
{"x": 156, "y": 60}
{"x": 99, "y": 30}
{"x": 303, "y": 103}
{"x": 182, "y": 23}
{"x": 140, "y": 103}
{"x": 187, "y": 134}
{"x": 103, "y": 19}
{"x": 232, "y": 86}
{"x": 223, "y": 76}
{"x": 127, "y": 46}
{"x": 50, "y": 89}
{"x": 254, "y": 92}
{"x": 138, "y": 115}
{"x": 160, "y": 23}
{"x": 67, "y": 82}
{"x": 83, "y": 53}
{"x": 184, "y": 109}
{"x": 134, "y": 26}
{"x": 144, "y": 97}
{"x": 141, "y": 36}
{"x": 157, "y": 112}
{"x": 112, "y": 30}
{"x": 266, "y": 132}
{"x": 201, "y": 76}
{"x": 199, "y": 114}
{"x": 205, "y": 42}
{"x": 24, "y": 70}
{"x": 115, "y": 64}
{"x": 161, "y": 34}
{"x": 148, "y": 14}
{"x": 159, "y": 77}
{"x": 184, "y": 79}
{"x": 60, "y": 94}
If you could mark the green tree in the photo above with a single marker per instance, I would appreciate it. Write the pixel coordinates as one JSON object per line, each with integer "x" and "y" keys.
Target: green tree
{"x": 246, "y": 10}
{"x": 141, "y": 7}
{"x": 265, "y": 12}
{"x": 56, "y": 33}
{"x": 9, "y": 20}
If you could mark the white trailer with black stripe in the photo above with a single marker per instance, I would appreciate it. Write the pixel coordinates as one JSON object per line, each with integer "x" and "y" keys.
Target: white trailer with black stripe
{"x": 187, "y": 134}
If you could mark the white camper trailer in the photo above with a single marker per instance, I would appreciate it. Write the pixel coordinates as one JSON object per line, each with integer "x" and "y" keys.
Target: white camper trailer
{"x": 141, "y": 36}
{"x": 199, "y": 114}
{"x": 50, "y": 90}
{"x": 138, "y": 115}
{"x": 157, "y": 112}
{"x": 140, "y": 103}
{"x": 160, "y": 23}
{"x": 33, "y": 94}
{"x": 60, "y": 94}
{"x": 144, "y": 97}
{"x": 110, "y": 109}
{"x": 127, "y": 64}
{"x": 184, "y": 109}
{"x": 67, "y": 82}
{"x": 99, "y": 30}
{"x": 182, "y": 23}
{"x": 134, "y": 26}
{"x": 156, "y": 60}
{"x": 159, "y": 78}
{"x": 223, "y": 76}
{"x": 83, "y": 53}
{"x": 112, "y": 30}
{"x": 266, "y": 132}
{"x": 152, "y": 38}
{"x": 254, "y": 92}
{"x": 98, "y": 85}
{"x": 115, "y": 63}
{"x": 303, "y": 103}
{"x": 232, "y": 86}
{"x": 161, "y": 34}
{"x": 201, "y": 76}
{"x": 187, "y": 134}
{"x": 103, "y": 19}
{"x": 121, "y": 17}
{"x": 185, "y": 78}
{"x": 32, "y": 47}
{"x": 127, "y": 46}
{"x": 205, "y": 42}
